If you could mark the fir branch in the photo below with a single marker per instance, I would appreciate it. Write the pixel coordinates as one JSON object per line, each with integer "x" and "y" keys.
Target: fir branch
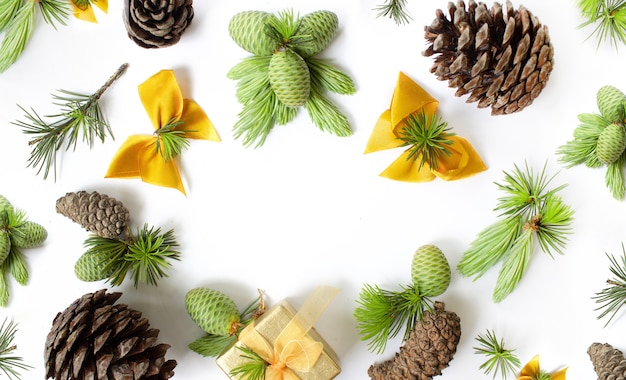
{"x": 17, "y": 33}
{"x": 582, "y": 150}
{"x": 395, "y": 10}
{"x": 613, "y": 297}
{"x": 15, "y": 264}
{"x": 428, "y": 139}
{"x": 171, "y": 141}
{"x": 553, "y": 225}
{"x": 9, "y": 363}
{"x": 54, "y": 11}
{"x": 256, "y": 119}
{"x": 150, "y": 254}
{"x": 211, "y": 345}
{"x": 325, "y": 115}
{"x": 514, "y": 265}
{"x": 609, "y": 17}
{"x": 80, "y": 115}
{"x": 283, "y": 28}
{"x": 500, "y": 359}
{"x": 614, "y": 177}
{"x": 8, "y": 9}
{"x": 253, "y": 369}
{"x": 328, "y": 77}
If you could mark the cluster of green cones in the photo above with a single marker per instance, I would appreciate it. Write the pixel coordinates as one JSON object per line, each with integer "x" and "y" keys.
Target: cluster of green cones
{"x": 284, "y": 74}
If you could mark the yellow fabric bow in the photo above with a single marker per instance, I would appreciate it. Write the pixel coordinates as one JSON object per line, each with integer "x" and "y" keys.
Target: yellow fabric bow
{"x": 85, "y": 11}
{"x": 532, "y": 371}
{"x": 292, "y": 350}
{"x": 409, "y": 98}
{"x": 139, "y": 157}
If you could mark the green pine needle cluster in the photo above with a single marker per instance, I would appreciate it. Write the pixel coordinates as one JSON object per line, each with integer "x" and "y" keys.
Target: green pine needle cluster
{"x": 80, "y": 117}
{"x": 146, "y": 255}
{"x": 499, "y": 359}
{"x": 608, "y": 17}
{"x": 530, "y": 215}
{"x": 253, "y": 369}
{"x": 382, "y": 314}
{"x": 613, "y": 296}
{"x": 213, "y": 345}
{"x": 10, "y": 364}
{"x": 171, "y": 141}
{"x": 395, "y": 10}
{"x": 427, "y": 137}
{"x": 17, "y": 22}
{"x": 262, "y": 110}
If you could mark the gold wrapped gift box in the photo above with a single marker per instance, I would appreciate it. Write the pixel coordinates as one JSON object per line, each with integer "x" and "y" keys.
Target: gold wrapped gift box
{"x": 270, "y": 325}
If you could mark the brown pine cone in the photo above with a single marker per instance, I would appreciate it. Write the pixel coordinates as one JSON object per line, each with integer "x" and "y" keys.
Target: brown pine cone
{"x": 428, "y": 350}
{"x": 94, "y": 338}
{"x": 608, "y": 362}
{"x": 157, "y": 23}
{"x": 98, "y": 213}
{"x": 501, "y": 57}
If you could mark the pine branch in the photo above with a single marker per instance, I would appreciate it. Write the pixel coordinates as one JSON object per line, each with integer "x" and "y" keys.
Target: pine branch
{"x": 8, "y": 9}
{"x": 395, "y": 10}
{"x": 428, "y": 139}
{"x": 553, "y": 225}
{"x": 609, "y": 18}
{"x": 256, "y": 119}
{"x": 9, "y": 363}
{"x": 613, "y": 297}
{"x": 80, "y": 115}
{"x": 582, "y": 150}
{"x": 499, "y": 359}
{"x": 514, "y": 265}
{"x": 54, "y": 11}
{"x": 17, "y": 33}
{"x": 614, "y": 177}
{"x": 171, "y": 141}
{"x": 211, "y": 345}
{"x": 325, "y": 115}
{"x": 328, "y": 77}
{"x": 149, "y": 256}
{"x": 253, "y": 369}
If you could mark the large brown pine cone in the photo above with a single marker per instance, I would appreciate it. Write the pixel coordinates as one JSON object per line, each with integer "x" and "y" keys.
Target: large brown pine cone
{"x": 98, "y": 213}
{"x": 94, "y": 338}
{"x": 608, "y": 362}
{"x": 157, "y": 23}
{"x": 501, "y": 57}
{"x": 428, "y": 350}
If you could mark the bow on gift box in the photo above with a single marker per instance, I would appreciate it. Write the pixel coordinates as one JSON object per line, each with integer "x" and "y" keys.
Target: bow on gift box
{"x": 292, "y": 350}
{"x": 432, "y": 152}
{"x": 153, "y": 157}
{"x": 84, "y": 11}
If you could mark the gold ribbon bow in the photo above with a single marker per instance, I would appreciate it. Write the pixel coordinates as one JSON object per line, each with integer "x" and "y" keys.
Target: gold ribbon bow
{"x": 532, "y": 371}
{"x": 409, "y": 98}
{"x": 84, "y": 11}
{"x": 292, "y": 350}
{"x": 142, "y": 156}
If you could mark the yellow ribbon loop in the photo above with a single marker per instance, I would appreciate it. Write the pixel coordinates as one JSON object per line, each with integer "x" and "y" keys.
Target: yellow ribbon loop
{"x": 409, "y": 98}
{"x": 532, "y": 370}
{"x": 293, "y": 349}
{"x": 138, "y": 157}
{"x": 86, "y": 13}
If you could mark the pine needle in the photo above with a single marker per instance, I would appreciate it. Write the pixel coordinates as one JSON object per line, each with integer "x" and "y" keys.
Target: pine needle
{"x": 256, "y": 119}
{"x": 8, "y": 9}
{"x": 613, "y": 297}
{"x": 609, "y": 18}
{"x": 614, "y": 178}
{"x": 325, "y": 115}
{"x": 252, "y": 369}
{"x": 500, "y": 359}
{"x": 80, "y": 116}
{"x": 395, "y": 10}
{"x": 54, "y": 11}
{"x": 171, "y": 141}
{"x": 17, "y": 34}
{"x": 9, "y": 363}
{"x": 427, "y": 137}
{"x": 328, "y": 77}
{"x": 554, "y": 225}
{"x": 211, "y": 345}
{"x": 582, "y": 150}
{"x": 149, "y": 256}
{"x": 514, "y": 265}
{"x": 15, "y": 264}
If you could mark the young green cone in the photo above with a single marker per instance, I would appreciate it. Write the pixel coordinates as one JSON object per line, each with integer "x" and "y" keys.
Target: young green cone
{"x": 248, "y": 30}
{"x": 611, "y": 103}
{"x": 290, "y": 78}
{"x": 321, "y": 27}
{"x": 4, "y": 203}
{"x": 90, "y": 267}
{"x": 5, "y": 245}
{"x": 213, "y": 311}
{"x": 430, "y": 271}
{"x": 611, "y": 143}
{"x": 28, "y": 235}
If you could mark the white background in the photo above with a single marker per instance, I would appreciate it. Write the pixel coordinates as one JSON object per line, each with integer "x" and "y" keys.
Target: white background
{"x": 308, "y": 208}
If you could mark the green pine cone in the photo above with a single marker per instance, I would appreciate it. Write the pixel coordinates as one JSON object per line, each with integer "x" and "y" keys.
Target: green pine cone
{"x": 611, "y": 103}
{"x": 611, "y": 143}
{"x": 90, "y": 267}
{"x": 290, "y": 78}
{"x": 5, "y": 245}
{"x": 4, "y": 203}
{"x": 430, "y": 271}
{"x": 322, "y": 27}
{"x": 248, "y": 30}
{"x": 213, "y": 311}
{"x": 28, "y": 235}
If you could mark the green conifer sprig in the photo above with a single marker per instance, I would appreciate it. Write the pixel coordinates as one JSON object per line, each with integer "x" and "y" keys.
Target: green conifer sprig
{"x": 10, "y": 364}
{"x": 609, "y": 18}
{"x": 427, "y": 138}
{"x": 531, "y": 215}
{"x": 80, "y": 117}
{"x": 612, "y": 298}
{"x": 395, "y": 10}
{"x": 500, "y": 360}
{"x": 252, "y": 369}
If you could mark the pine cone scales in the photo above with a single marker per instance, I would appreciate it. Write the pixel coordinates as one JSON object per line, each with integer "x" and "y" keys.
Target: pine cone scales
{"x": 501, "y": 57}
{"x": 98, "y": 213}
{"x": 157, "y": 23}
{"x": 608, "y": 362}
{"x": 94, "y": 338}
{"x": 428, "y": 350}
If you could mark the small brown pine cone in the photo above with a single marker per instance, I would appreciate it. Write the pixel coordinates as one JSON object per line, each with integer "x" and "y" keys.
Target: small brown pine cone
{"x": 157, "y": 23}
{"x": 500, "y": 56}
{"x": 608, "y": 362}
{"x": 428, "y": 350}
{"x": 98, "y": 213}
{"x": 95, "y": 338}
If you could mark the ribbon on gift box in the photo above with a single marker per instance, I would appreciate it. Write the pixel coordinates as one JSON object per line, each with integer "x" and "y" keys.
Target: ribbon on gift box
{"x": 84, "y": 11}
{"x": 292, "y": 350}
{"x": 409, "y": 98}
{"x": 142, "y": 156}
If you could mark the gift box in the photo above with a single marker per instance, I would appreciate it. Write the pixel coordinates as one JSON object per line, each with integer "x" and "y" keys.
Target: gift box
{"x": 271, "y": 328}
